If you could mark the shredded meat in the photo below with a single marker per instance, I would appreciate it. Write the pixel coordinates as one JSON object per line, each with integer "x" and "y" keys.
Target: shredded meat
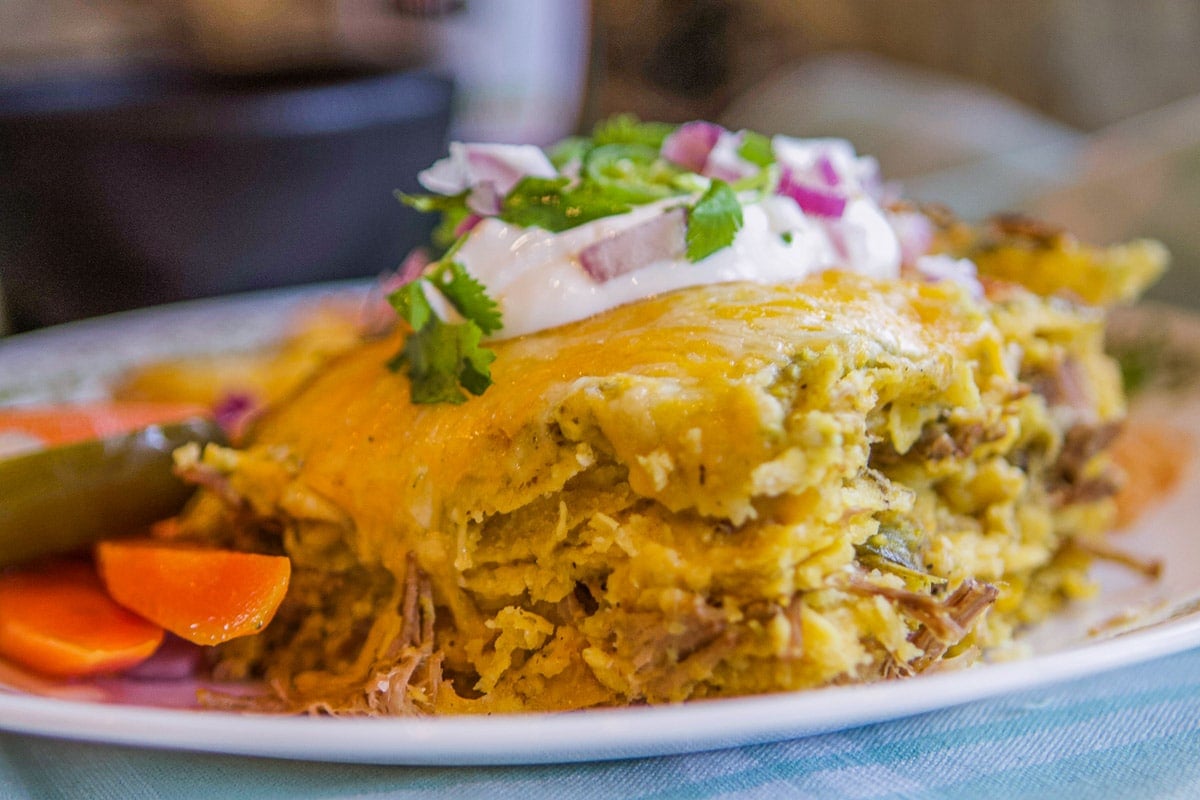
{"x": 411, "y": 656}
{"x": 963, "y": 607}
{"x": 703, "y": 661}
{"x": 1150, "y": 567}
{"x": 656, "y": 642}
{"x": 1068, "y": 480}
{"x": 939, "y": 441}
{"x": 944, "y": 623}
{"x": 667, "y": 653}
{"x": 406, "y": 674}
{"x": 1065, "y": 384}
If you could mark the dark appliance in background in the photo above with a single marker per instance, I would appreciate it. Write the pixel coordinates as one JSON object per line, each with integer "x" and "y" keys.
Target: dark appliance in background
{"x": 139, "y": 188}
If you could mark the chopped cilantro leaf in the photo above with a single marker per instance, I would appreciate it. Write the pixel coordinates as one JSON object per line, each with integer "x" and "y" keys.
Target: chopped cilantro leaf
{"x": 442, "y": 356}
{"x": 453, "y": 210}
{"x": 439, "y": 356}
{"x": 467, "y": 295}
{"x": 476, "y": 373}
{"x": 536, "y": 201}
{"x": 412, "y": 305}
{"x": 713, "y": 221}
{"x": 425, "y": 203}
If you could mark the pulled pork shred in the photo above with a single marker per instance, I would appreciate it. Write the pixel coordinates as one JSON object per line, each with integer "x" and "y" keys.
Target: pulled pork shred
{"x": 405, "y": 682}
{"x": 944, "y": 623}
{"x": 409, "y": 675}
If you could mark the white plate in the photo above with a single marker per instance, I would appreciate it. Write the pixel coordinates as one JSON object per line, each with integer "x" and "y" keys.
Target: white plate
{"x": 1161, "y": 617}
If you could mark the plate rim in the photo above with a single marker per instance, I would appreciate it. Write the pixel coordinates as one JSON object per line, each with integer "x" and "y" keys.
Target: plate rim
{"x": 580, "y": 736}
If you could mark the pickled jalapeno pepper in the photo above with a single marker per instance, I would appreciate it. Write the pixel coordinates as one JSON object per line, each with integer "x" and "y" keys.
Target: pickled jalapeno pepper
{"x": 59, "y": 499}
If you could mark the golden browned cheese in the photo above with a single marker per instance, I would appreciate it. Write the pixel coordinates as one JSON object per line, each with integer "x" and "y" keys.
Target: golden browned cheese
{"x": 724, "y": 490}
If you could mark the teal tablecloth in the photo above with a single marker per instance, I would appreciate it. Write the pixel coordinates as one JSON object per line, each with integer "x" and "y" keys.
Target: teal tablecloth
{"x": 1133, "y": 733}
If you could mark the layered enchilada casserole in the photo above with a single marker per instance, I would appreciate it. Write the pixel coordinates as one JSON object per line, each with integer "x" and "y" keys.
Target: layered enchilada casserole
{"x": 672, "y": 413}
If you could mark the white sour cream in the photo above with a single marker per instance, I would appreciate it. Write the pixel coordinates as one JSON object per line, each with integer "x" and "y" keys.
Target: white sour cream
{"x": 537, "y": 279}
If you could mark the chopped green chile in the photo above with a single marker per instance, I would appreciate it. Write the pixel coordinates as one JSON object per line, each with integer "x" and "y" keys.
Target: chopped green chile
{"x": 635, "y": 174}
{"x": 896, "y": 550}
{"x": 59, "y": 500}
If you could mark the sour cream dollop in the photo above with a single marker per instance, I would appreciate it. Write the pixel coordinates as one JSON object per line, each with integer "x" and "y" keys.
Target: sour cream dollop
{"x": 539, "y": 282}
{"x": 537, "y": 279}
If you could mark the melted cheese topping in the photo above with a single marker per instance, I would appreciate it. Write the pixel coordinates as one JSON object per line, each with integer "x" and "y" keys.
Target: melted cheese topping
{"x": 409, "y": 468}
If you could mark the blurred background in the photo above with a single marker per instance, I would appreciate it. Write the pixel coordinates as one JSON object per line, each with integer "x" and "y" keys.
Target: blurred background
{"x": 157, "y": 150}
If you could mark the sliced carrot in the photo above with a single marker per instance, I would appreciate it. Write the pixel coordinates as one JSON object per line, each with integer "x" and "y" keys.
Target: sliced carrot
{"x": 204, "y": 595}
{"x": 56, "y": 618}
{"x": 64, "y": 424}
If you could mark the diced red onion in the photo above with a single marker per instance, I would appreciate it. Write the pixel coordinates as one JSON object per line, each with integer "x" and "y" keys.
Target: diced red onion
{"x": 812, "y": 200}
{"x": 484, "y": 199}
{"x": 830, "y": 163}
{"x": 828, "y": 171}
{"x": 234, "y": 413}
{"x": 503, "y": 166}
{"x": 725, "y": 162}
{"x": 658, "y": 238}
{"x": 690, "y": 144}
{"x": 472, "y": 165}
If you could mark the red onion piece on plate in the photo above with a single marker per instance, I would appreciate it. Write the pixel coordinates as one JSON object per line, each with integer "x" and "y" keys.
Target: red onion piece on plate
{"x": 658, "y": 238}
{"x": 175, "y": 659}
{"x": 235, "y": 411}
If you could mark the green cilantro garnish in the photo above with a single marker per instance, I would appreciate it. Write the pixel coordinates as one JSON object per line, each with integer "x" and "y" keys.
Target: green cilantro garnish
{"x": 442, "y": 358}
{"x": 713, "y": 221}
{"x": 453, "y": 210}
{"x": 620, "y": 166}
{"x": 428, "y": 203}
{"x": 412, "y": 305}
{"x": 467, "y": 295}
